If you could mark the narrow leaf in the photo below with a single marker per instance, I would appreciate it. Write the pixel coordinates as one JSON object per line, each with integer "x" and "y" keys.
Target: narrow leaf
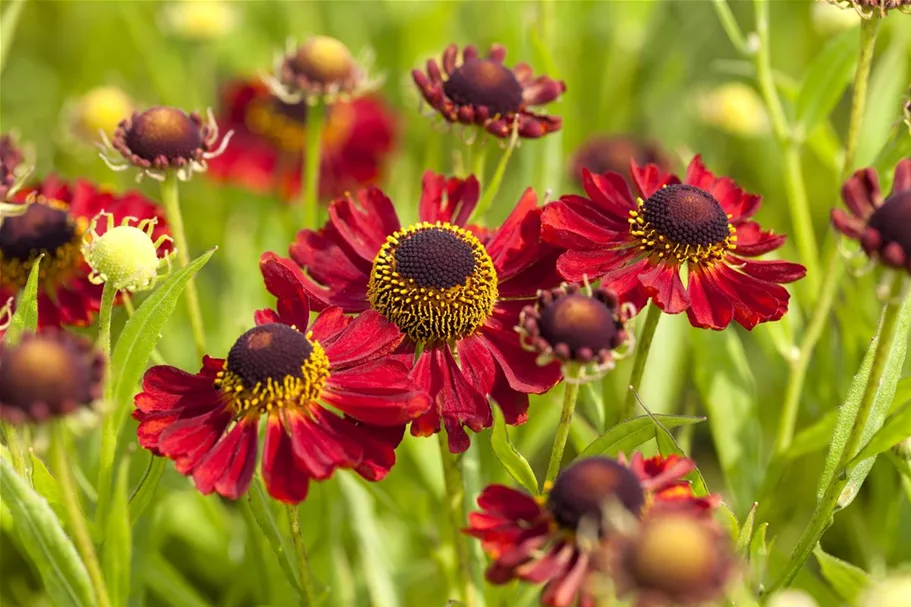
{"x": 26, "y": 316}
{"x": 890, "y": 81}
{"x": 49, "y": 548}
{"x": 827, "y": 78}
{"x": 846, "y": 579}
{"x": 144, "y": 492}
{"x": 632, "y": 433}
{"x": 896, "y": 428}
{"x": 746, "y": 532}
{"x": 280, "y": 541}
{"x": 46, "y": 486}
{"x": 759, "y": 555}
{"x": 117, "y": 549}
{"x": 513, "y": 461}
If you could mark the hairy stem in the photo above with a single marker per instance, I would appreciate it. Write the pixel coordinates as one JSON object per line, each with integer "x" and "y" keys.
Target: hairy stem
{"x": 316, "y": 115}
{"x": 108, "y": 427}
{"x": 644, "y": 343}
{"x": 308, "y": 594}
{"x": 490, "y": 191}
{"x": 455, "y": 509}
{"x": 570, "y": 395}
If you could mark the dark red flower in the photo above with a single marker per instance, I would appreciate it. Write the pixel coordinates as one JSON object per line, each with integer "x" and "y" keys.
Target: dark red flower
{"x": 266, "y": 153}
{"x": 883, "y": 227}
{"x": 484, "y": 92}
{"x": 554, "y": 540}
{"x": 452, "y": 288}
{"x": 638, "y": 247}
{"x": 53, "y": 225}
{"x": 297, "y": 374}
{"x": 11, "y": 157}
{"x": 603, "y": 153}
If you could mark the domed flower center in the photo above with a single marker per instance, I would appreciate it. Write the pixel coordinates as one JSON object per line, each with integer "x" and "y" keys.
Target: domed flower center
{"x": 582, "y": 491}
{"x": 45, "y": 375}
{"x": 893, "y": 221}
{"x": 436, "y": 282}
{"x": 482, "y": 82}
{"x": 324, "y": 60}
{"x": 683, "y": 221}
{"x": 273, "y": 366}
{"x": 282, "y": 123}
{"x": 675, "y": 553}
{"x": 580, "y": 322}
{"x": 45, "y": 228}
{"x": 164, "y": 132}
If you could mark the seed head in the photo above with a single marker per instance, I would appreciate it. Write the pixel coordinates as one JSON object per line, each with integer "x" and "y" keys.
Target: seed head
{"x": 125, "y": 256}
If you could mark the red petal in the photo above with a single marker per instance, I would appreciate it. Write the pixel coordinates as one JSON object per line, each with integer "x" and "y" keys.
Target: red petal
{"x": 861, "y": 193}
{"x": 574, "y": 222}
{"x": 610, "y": 193}
{"x": 518, "y": 365}
{"x": 513, "y": 403}
{"x": 318, "y": 445}
{"x": 710, "y": 307}
{"x": 364, "y": 224}
{"x": 335, "y": 274}
{"x": 461, "y": 198}
{"x": 378, "y": 445}
{"x": 509, "y": 503}
{"x": 902, "y": 180}
{"x": 368, "y": 337}
{"x": 329, "y": 325}
{"x": 752, "y": 241}
{"x": 663, "y": 284}
{"x": 849, "y": 225}
{"x": 754, "y": 300}
{"x": 228, "y": 467}
{"x": 188, "y": 439}
{"x": 650, "y": 179}
{"x": 285, "y": 480}
{"x": 380, "y": 393}
{"x": 732, "y": 199}
{"x": 517, "y": 243}
{"x": 771, "y": 271}
{"x": 284, "y": 280}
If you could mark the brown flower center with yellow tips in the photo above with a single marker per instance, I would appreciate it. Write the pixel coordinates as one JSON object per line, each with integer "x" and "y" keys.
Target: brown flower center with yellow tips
{"x": 482, "y": 82}
{"x": 164, "y": 132}
{"x": 436, "y": 282}
{"x": 273, "y": 366}
{"x": 45, "y": 228}
{"x": 684, "y": 222}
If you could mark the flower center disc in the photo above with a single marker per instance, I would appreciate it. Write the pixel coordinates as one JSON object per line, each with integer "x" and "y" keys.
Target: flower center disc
{"x": 164, "y": 131}
{"x": 579, "y": 322}
{"x": 271, "y": 366}
{"x": 436, "y": 282}
{"x": 684, "y": 221}
{"x": 482, "y": 82}
{"x": 324, "y": 60}
{"x": 893, "y": 221}
{"x": 43, "y": 372}
{"x": 282, "y": 123}
{"x": 674, "y": 553}
{"x": 583, "y": 489}
{"x": 43, "y": 228}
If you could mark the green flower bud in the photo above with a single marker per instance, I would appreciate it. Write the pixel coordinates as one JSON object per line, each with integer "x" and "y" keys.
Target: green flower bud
{"x": 125, "y": 256}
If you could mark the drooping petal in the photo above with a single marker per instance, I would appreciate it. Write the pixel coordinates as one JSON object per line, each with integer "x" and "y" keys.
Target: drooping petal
{"x": 519, "y": 366}
{"x": 380, "y": 393}
{"x": 285, "y": 480}
{"x": 662, "y": 282}
{"x": 318, "y": 444}
{"x": 451, "y": 200}
{"x": 861, "y": 193}
{"x": 650, "y": 178}
{"x": 284, "y": 280}
{"x": 368, "y": 337}
{"x": 770, "y": 270}
{"x": 228, "y": 467}
{"x": 752, "y": 241}
{"x": 710, "y": 307}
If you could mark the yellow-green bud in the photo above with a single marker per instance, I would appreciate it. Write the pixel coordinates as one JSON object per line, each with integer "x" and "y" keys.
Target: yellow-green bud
{"x": 200, "y": 19}
{"x": 125, "y": 256}
{"x": 736, "y": 108}
{"x": 101, "y": 109}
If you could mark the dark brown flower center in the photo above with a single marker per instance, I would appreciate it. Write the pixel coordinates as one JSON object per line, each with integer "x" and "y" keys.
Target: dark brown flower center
{"x": 164, "y": 131}
{"x": 674, "y": 553}
{"x": 435, "y": 258}
{"x": 583, "y": 489}
{"x": 482, "y": 82}
{"x": 324, "y": 60}
{"x": 44, "y": 228}
{"x": 579, "y": 321}
{"x": 893, "y": 221}
{"x": 687, "y": 215}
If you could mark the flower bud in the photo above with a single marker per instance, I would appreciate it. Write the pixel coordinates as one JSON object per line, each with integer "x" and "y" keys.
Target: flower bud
{"x": 736, "y": 108}
{"x": 200, "y": 19}
{"x": 125, "y": 256}
{"x": 100, "y": 109}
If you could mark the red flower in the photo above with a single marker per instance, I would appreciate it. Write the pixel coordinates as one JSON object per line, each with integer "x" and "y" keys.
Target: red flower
{"x": 637, "y": 248}
{"x": 883, "y": 227}
{"x": 484, "y": 92}
{"x": 556, "y": 542}
{"x": 208, "y": 422}
{"x": 53, "y": 226}
{"x": 453, "y": 288}
{"x": 266, "y": 153}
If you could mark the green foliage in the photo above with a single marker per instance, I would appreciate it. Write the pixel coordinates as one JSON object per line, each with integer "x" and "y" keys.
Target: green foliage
{"x": 26, "y": 316}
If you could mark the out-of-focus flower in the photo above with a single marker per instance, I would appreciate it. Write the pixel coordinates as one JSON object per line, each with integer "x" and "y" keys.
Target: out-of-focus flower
{"x": 6, "y": 316}
{"x": 125, "y": 256}
{"x": 453, "y": 289}
{"x": 638, "y": 246}
{"x": 601, "y": 154}
{"x": 581, "y": 330}
{"x": 890, "y": 592}
{"x": 734, "y": 107}
{"x": 49, "y": 374}
{"x": 163, "y": 139}
{"x": 53, "y": 225}
{"x": 866, "y": 8}
{"x": 99, "y": 110}
{"x": 12, "y": 169}
{"x": 199, "y": 19}
{"x": 266, "y": 153}
{"x": 830, "y": 19}
{"x": 286, "y": 370}
{"x": 883, "y": 227}
{"x": 320, "y": 69}
{"x": 791, "y": 598}
{"x": 555, "y": 540}
{"x": 484, "y": 92}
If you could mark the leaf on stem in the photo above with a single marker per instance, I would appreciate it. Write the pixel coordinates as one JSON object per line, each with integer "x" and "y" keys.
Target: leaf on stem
{"x": 827, "y": 78}
{"x": 846, "y": 579}
{"x": 513, "y": 461}
{"x": 633, "y": 432}
{"x": 26, "y": 316}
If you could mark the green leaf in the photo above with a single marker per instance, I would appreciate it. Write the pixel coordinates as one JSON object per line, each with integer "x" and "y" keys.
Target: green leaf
{"x": 46, "y": 485}
{"x": 814, "y": 438}
{"x": 667, "y": 445}
{"x": 163, "y": 580}
{"x": 827, "y": 78}
{"x": 513, "y": 461}
{"x": 117, "y": 549}
{"x": 144, "y": 493}
{"x": 896, "y": 428}
{"x": 759, "y": 555}
{"x": 728, "y": 390}
{"x": 746, "y": 532}
{"x": 65, "y": 578}
{"x": 846, "y": 579}
{"x": 26, "y": 316}
{"x": 632, "y": 433}
{"x": 888, "y": 85}
{"x": 261, "y": 508}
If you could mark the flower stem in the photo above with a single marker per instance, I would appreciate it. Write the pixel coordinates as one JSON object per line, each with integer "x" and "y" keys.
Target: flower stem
{"x": 308, "y": 594}
{"x": 644, "y": 344}
{"x": 479, "y": 163}
{"x": 8, "y": 25}
{"x": 106, "y": 455}
{"x": 316, "y": 115}
{"x": 825, "y": 507}
{"x": 455, "y": 508}
{"x": 108, "y": 294}
{"x": 77, "y": 524}
{"x": 171, "y": 200}
{"x": 18, "y": 452}
{"x": 570, "y": 395}
{"x": 490, "y": 192}
{"x": 833, "y": 263}
{"x": 729, "y": 23}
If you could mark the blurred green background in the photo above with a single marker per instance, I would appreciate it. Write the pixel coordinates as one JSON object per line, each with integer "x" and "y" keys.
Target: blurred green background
{"x": 646, "y": 68}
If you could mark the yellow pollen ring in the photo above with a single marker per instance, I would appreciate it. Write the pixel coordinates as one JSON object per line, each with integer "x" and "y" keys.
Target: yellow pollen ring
{"x": 289, "y": 392}
{"x": 662, "y": 247}
{"x": 430, "y": 314}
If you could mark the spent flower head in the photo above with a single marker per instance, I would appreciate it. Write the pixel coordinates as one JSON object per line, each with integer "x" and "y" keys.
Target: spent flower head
{"x": 163, "y": 139}
{"x": 125, "y": 255}
{"x": 867, "y": 8}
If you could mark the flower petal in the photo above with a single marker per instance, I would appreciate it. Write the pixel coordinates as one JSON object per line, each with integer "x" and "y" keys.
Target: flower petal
{"x": 365, "y": 223}
{"x": 285, "y": 479}
{"x": 663, "y": 284}
{"x": 335, "y": 274}
{"x": 380, "y": 393}
{"x": 228, "y": 467}
{"x": 710, "y": 307}
{"x": 319, "y": 445}
{"x": 771, "y": 270}
{"x": 459, "y": 202}
{"x": 284, "y": 280}
{"x": 651, "y": 178}
{"x": 732, "y": 198}
{"x": 368, "y": 337}
{"x": 752, "y": 241}
{"x": 861, "y": 193}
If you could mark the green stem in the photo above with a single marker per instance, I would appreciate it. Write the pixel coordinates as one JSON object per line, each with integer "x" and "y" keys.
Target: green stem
{"x": 644, "y": 343}
{"x": 308, "y": 594}
{"x": 316, "y": 115}
{"x": 479, "y": 163}
{"x": 490, "y": 192}
{"x": 18, "y": 452}
{"x": 8, "y": 24}
{"x": 570, "y": 395}
{"x": 868, "y": 30}
{"x": 729, "y": 23}
{"x": 171, "y": 199}
{"x": 798, "y": 203}
{"x": 107, "y": 453}
{"x": 455, "y": 509}
{"x": 108, "y": 294}
{"x": 77, "y": 523}
{"x": 825, "y": 507}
